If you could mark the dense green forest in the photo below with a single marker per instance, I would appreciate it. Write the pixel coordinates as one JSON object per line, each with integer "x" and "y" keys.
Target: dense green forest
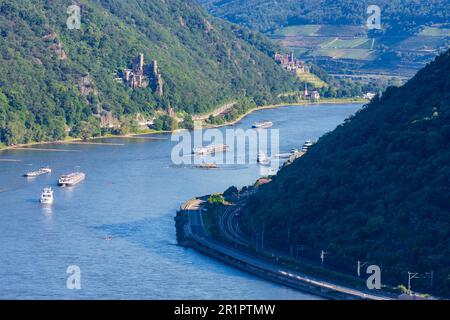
{"x": 268, "y": 15}
{"x": 55, "y": 81}
{"x": 376, "y": 189}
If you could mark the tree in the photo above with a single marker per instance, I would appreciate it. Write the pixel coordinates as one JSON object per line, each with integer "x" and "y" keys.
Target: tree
{"x": 3, "y": 108}
{"x": 188, "y": 122}
{"x": 15, "y": 130}
{"x": 165, "y": 123}
{"x": 231, "y": 193}
{"x": 128, "y": 125}
{"x": 56, "y": 129}
{"x": 216, "y": 199}
{"x": 87, "y": 129}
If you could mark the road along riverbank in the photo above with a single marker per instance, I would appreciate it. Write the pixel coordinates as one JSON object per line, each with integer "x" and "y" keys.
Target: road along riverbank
{"x": 191, "y": 233}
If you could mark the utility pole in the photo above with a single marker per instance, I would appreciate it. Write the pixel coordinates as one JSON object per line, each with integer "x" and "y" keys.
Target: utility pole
{"x": 360, "y": 265}
{"x": 299, "y": 247}
{"x": 262, "y": 236}
{"x": 322, "y": 256}
{"x": 431, "y": 276}
{"x": 289, "y": 234}
{"x": 416, "y": 275}
{"x": 411, "y": 275}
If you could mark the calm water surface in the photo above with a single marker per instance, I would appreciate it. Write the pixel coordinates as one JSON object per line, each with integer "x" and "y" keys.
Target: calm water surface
{"x": 132, "y": 192}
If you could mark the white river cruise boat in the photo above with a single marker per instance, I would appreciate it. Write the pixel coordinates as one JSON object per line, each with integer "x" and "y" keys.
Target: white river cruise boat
{"x": 39, "y": 172}
{"x": 213, "y": 148}
{"x": 71, "y": 179}
{"x": 308, "y": 144}
{"x": 262, "y": 159}
{"x": 47, "y": 196}
{"x": 262, "y": 125}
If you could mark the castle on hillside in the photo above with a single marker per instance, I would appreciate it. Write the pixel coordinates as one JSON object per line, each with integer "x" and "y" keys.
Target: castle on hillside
{"x": 290, "y": 62}
{"x": 142, "y": 76}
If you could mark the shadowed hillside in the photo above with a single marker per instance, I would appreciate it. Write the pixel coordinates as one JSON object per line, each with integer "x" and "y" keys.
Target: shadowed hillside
{"x": 376, "y": 189}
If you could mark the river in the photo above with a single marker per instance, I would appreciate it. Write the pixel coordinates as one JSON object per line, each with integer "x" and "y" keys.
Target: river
{"x": 131, "y": 193}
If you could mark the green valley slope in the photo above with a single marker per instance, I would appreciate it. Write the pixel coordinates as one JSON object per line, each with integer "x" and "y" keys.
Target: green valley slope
{"x": 53, "y": 79}
{"x": 376, "y": 189}
{"x": 333, "y": 33}
{"x": 267, "y": 15}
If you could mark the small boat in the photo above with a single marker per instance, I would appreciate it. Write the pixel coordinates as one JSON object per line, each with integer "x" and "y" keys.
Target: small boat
{"x": 294, "y": 151}
{"x": 71, "y": 179}
{"x": 262, "y": 159}
{"x": 47, "y": 196}
{"x": 207, "y": 166}
{"x": 262, "y": 125}
{"x": 39, "y": 172}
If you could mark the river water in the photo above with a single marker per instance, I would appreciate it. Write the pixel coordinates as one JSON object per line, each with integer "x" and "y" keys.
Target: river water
{"x": 131, "y": 193}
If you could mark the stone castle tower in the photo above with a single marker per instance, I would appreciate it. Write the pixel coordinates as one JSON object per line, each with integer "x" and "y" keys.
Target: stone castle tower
{"x": 137, "y": 80}
{"x": 157, "y": 78}
{"x": 140, "y": 76}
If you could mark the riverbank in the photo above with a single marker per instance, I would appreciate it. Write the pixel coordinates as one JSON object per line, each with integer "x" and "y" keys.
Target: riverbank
{"x": 302, "y": 103}
{"x": 156, "y": 132}
{"x": 70, "y": 140}
{"x": 192, "y": 233}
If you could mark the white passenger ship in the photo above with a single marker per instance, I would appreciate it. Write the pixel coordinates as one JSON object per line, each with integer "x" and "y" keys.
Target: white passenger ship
{"x": 39, "y": 172}
{"x": 262, "y": 125}
{"x": 213, "y": 148}
{"x": 71, "y": 179}
{"x": 308, "y": 144}
{"x": 47, "y": 196}
{"x": 262, "y": 159}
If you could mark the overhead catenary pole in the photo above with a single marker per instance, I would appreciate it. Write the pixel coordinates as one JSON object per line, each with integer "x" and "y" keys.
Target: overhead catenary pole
{"x": 322, "y": 257}
{"x": 360, "y": 265}
{"x": 262, "y": 235}
{"x": 430, "y": 275}
{"x": 289, "y": 234}
{"x": 431, "y": 278}
{"x": 411, "y": 275}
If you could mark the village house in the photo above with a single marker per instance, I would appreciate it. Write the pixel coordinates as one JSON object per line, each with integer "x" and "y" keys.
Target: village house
{"x": 313, "y": 95}
{"x": 369, "y": 95}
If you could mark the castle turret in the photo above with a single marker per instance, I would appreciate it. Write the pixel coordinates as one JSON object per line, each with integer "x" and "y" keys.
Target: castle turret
{"x": 291, "y": 57}
{"x": 137, "y": 80}
{"x": 157, "y": 78}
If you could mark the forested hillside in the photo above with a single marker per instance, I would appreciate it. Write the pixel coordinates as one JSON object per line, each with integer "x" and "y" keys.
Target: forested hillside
{"x": 376, "y": 189}
{"x": 53, "y": 79}
{"x": 267, "y": 15}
